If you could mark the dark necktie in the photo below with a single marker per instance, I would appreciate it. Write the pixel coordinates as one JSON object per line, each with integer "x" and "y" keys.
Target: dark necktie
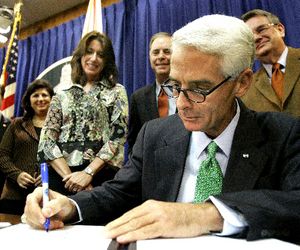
{"x": 210, "y": 177}
{"x": 277, "y": 80}
{"x": 163, "y": 104}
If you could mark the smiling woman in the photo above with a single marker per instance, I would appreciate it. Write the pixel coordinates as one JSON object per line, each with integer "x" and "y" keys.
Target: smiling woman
{"x": 18, "y": 148}
{"x": 85, "y": 130}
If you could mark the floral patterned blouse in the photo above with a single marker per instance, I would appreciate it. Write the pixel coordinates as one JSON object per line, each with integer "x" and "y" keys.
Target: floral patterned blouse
{"x": 80, "y": 126}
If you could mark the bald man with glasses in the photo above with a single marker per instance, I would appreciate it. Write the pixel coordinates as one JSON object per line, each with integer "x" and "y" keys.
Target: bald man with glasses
{"x": 276, "y": 85}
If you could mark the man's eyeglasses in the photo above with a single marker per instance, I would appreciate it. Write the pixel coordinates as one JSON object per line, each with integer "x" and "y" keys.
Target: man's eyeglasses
{"x": 195, "y": 95}
{"x": 262, "y": 29}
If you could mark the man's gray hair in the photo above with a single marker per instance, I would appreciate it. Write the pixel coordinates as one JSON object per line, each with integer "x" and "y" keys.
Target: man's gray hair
{"x": 225, "y": 37}
{"x": 258, "y": 12}
{"x": 157, "y": 35}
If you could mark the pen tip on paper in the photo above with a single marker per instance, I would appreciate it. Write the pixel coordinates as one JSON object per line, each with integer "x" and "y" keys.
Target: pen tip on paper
{"x": 47, "y": 224}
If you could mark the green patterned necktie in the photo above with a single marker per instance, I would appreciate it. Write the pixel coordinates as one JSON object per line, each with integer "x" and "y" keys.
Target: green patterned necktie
{"x": 210, "y": 177}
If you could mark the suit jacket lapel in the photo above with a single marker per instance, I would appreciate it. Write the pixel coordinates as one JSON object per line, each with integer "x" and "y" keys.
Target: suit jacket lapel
{"x": 29, "y": 128}
{"x": 262, "y": 84}
{"x": 292, "y": 72}
{"x": 151, "y": 104}
{"x": 247, "y": 156}
{"x": 170, "y": 160}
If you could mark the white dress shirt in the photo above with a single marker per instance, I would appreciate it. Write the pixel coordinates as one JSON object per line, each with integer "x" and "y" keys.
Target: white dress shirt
{"x": 281, "y": 61}
{"x": 234, "y": 222}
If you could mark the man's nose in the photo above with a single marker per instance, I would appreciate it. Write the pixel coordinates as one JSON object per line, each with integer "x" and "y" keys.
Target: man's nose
{"x": 256, "y": 36}
{"x": 161, "y": 54}
{"x": 182, "y": 101}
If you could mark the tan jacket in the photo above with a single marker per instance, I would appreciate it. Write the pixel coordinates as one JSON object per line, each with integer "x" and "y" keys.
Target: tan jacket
{"x": 261, "y": 96}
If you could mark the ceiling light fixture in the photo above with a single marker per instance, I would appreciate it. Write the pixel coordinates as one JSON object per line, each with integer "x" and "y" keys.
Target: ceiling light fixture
{"x": 6, "y": 21}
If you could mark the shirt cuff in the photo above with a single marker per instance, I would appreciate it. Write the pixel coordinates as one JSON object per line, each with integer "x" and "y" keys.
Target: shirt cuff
{"x": 234, "y": 222}
{"x": 79, "y": 212}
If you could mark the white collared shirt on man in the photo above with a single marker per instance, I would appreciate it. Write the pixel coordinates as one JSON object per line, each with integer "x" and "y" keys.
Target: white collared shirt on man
{"x": 234, "y": 222}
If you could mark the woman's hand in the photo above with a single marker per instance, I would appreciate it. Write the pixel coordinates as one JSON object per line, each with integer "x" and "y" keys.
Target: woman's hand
{"x": 89, "y": 187}
{"x": 77, "y": 181}
{"x": 38, "y": 181}
{"x": 25, "y": 180}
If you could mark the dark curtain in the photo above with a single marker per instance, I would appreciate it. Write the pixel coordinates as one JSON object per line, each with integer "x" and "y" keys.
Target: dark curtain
{"x": 130, "y": 24}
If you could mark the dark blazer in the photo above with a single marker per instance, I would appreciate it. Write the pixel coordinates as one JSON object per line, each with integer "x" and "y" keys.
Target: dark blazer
{"x": 4, "y": 122}
{"x": 261, "y": 96}
{"x": 18, "y": 153}
{"x": 143, "y": 108}
{"x": 262, "y": 180}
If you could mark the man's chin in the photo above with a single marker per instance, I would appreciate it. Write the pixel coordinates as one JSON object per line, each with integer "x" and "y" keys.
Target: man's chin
{"x": 163, "y": 71}
{"x": 262, "y": 52}
{"x": 191, "y": 125}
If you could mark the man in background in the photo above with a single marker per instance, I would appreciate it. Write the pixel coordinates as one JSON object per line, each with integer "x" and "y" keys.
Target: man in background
{"x": 4, "y": 122}
{"x": 276, "y": 85}
{"x": 149, "y": 102}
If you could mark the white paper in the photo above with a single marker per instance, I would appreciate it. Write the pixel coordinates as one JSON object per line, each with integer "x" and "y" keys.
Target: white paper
{"x": 77, "y": 237}
{"x": 4, "y": 224}
{"x": 214, "y": 242}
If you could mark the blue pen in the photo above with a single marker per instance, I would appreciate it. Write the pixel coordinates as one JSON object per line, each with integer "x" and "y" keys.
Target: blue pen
{"x": 45, "y": 183}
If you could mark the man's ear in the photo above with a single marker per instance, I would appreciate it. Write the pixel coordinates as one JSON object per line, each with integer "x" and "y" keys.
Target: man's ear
{"x": 281, "y": 29}
{"x": 243, "y": 82}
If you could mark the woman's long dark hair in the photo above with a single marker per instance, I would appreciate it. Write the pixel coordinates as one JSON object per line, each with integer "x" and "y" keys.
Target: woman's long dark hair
{"x": 109, "y": 72}
{"x": 36, "y": 84}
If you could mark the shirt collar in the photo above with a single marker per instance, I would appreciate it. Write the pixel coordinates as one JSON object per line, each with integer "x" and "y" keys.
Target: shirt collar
{"x": 103, "y": 82}
{"x": 281, "y": 61}
{"x": 200, "y": 140}
{"x": 74, "y": 85}
{"x": 158, "y": 88}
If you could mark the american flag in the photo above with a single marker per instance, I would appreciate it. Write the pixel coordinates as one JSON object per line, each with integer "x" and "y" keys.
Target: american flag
{"x": 8, "y": 76}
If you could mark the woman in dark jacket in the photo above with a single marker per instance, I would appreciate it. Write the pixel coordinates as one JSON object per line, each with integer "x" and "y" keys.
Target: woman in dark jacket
{"x": 18, "y": 148}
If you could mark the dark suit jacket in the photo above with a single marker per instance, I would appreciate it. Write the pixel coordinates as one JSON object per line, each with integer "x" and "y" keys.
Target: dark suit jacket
{"x": 4, "y": 122}
{"x": 262, "y": 180}
{"x": 143, "y": 108}
{"x": 261, "y": 97}
{"x": 18, "y": 153}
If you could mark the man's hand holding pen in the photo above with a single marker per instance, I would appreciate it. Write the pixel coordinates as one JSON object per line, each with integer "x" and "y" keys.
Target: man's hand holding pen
{"x": 59, "y": 209}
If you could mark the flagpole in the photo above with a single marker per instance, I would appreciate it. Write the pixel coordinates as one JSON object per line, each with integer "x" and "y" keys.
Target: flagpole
{"x": 17, "y": 21}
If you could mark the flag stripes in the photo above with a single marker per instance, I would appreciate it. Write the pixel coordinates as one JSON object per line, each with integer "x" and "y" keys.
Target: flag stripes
{"x": 8, "y": 77}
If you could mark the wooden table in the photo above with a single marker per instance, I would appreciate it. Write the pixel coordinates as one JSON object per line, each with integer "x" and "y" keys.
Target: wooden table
{"x": 12, "y": 218}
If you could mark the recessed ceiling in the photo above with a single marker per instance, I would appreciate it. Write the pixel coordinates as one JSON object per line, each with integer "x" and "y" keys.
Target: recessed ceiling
{"x": 37, "y": 10}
